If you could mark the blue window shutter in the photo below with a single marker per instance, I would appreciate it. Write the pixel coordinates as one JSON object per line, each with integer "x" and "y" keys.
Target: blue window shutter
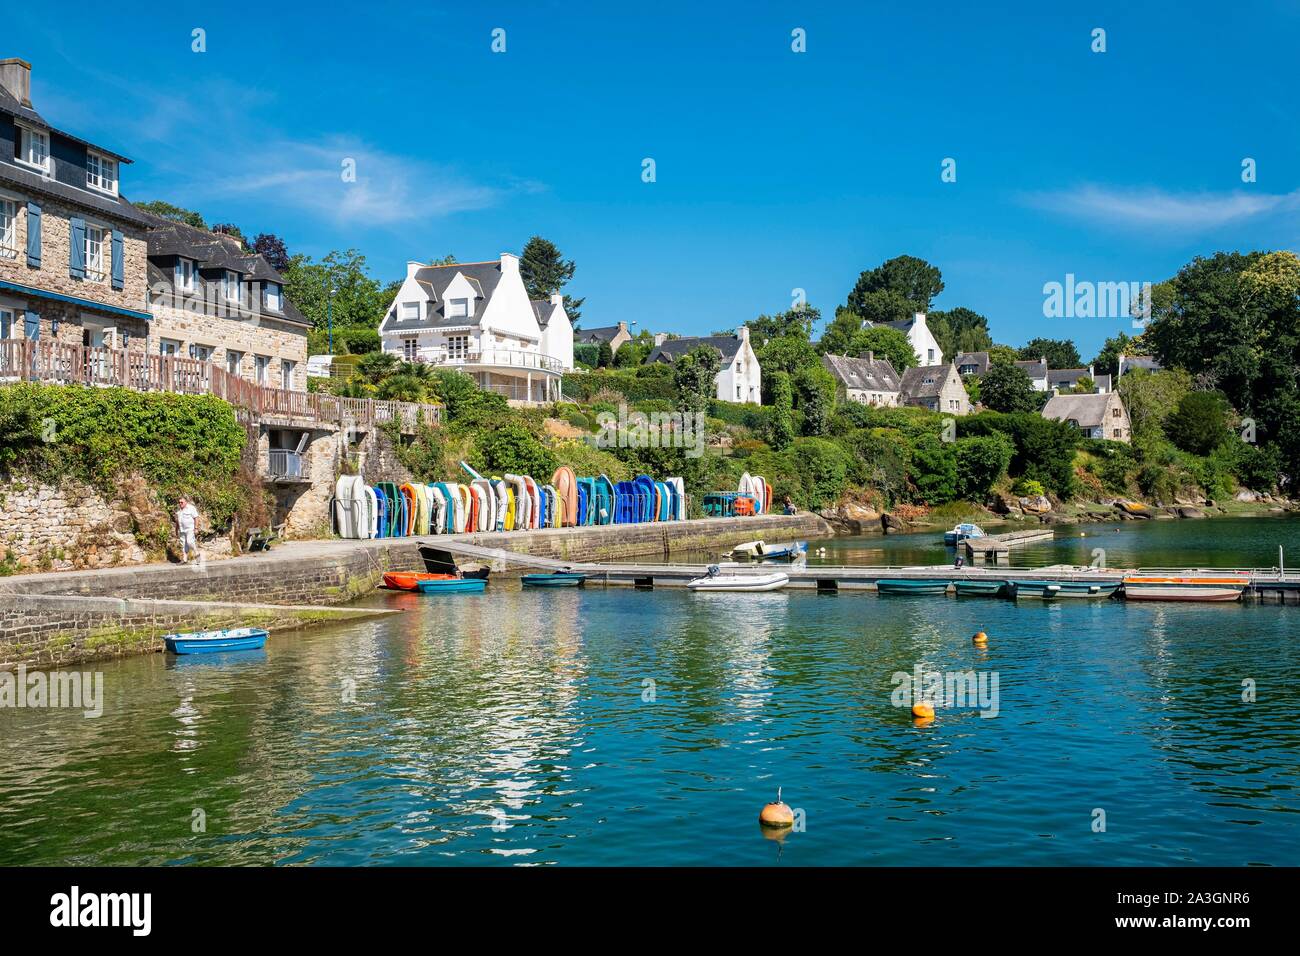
{"x": 33, "y": 235}
{"x": 31, "y": 325}
{"x": 119, "y": 274}
{"x": 77, "y": 249}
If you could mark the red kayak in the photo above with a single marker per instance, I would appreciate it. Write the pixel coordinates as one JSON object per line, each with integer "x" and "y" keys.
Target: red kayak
{"x": 410, "y": 580}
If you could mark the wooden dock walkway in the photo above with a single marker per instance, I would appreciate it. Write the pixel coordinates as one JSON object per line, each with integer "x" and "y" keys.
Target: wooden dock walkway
{"x": 994, "y": 547}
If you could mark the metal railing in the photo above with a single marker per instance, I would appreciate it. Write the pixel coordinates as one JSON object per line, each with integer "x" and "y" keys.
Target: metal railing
{"x": 497, "y": 358}
{"x": 63, "y": 364}
{"x": 285, "y": 463}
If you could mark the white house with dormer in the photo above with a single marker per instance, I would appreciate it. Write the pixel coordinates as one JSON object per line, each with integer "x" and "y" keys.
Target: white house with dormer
{"x": 739, "y": 379}
{"x": 922, "y": 340}
{"x": 476, "y": 317}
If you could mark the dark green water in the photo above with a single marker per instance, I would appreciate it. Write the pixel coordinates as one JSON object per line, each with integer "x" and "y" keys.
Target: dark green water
{"x": 512, "y": 728}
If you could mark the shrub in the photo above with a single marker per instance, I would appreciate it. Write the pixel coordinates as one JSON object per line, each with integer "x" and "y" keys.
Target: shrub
{"x": 982, "y": 461}
{"x": 513, "y": 448}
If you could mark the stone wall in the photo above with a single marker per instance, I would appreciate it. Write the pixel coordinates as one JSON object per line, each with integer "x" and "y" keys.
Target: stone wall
{"x": 280, "y": 341}
{"x": 43, "y": 527}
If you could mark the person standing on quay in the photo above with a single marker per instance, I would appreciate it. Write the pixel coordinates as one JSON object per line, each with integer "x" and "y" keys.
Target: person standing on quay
{"x": 187, "y": 517}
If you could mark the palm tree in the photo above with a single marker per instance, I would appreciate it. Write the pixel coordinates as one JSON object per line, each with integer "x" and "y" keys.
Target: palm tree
{"x": 377, "y": 366}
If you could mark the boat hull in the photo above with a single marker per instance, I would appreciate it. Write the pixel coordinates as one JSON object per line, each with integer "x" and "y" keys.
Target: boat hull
{"x": 410, "y": 580}
{"x": 739, "y": 582}
{"x": 909, "y": 586}
{"x": 453, "y": 586}
{"x": 1054, "y": 590}
{"x": 1184, "y": 587}
{"x": 557, "y": 580}
{"x": 980, "y": 588}
{"x": 213, "y": 642}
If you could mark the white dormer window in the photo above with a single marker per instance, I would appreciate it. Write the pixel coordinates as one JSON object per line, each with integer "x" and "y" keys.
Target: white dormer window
{"x": 34, "y": 148}
{"x": 101, "y": 173}
{"x": 458, "y": 308}
{"x": 410, "y": 312}
{"x": 273, "y": 300}
{"x": 230, "y": 286}
{"x": 185, "y": 275}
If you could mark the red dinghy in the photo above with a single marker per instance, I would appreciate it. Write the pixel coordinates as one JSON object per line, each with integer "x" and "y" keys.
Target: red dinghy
{"x": 410, "y": 580}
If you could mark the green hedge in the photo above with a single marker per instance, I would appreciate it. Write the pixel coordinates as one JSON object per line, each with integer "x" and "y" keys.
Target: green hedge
{"x": 635, "y": 388}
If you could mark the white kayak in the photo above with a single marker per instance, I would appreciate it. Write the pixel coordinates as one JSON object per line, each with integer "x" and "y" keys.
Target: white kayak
{"x": 715, "y": 580}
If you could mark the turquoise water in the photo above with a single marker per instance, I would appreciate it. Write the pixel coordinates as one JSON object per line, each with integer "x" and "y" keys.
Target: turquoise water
{"x": 514, "y": 728}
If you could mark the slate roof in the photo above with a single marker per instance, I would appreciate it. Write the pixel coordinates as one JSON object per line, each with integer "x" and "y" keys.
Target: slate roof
{"x": 483, "y": 276}
{"x": 1066, "y": 377}
{"x": 1141, "y": 361}
{"x": 9, "y": 104}
{"x": 672, "y": 349}
{"x": 979, "y": 359}
{"x": 1102, "y": 382}
{"x": 30, "y": 181}
{"x": 604, "y": 333}
{"x": 925, "y": 381}
{"x": 1036, "y": 369}
{"x": 873, "y": 375}
{"x": 543, "y": 309}
{"x": 1088, "y": 411}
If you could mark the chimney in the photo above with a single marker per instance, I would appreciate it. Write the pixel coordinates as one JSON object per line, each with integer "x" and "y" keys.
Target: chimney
{"x": 622, "y": 327}
{"x": 919, "y": 318}
{"x": 871, "y": 356}
{"x": 412, "y": 268}
{"x": 661, "y": 338}
{"x": 557, "y": 298}
{"x": 16, "y": 77}
{"x": 509, "y": 263}
{"x": 744, "y": 333}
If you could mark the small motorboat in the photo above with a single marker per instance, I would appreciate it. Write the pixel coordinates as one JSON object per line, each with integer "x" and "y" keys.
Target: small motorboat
{"x": 961, "y": 532}
{"x": 1051, "y": 590}
{"x": 762, "y": 551}
{"x": 410, "y": 580}
{"x": 452, "y": 585}
{"x": 211, "y": 642}
{"x": 980, "y": 588}
{"x": 716, "y": 580}
{"x": 1200, "y": 585}
{"x": 441, "y": 561}
{"x": 556, "y": 579}
{"x": 911, "y": 586}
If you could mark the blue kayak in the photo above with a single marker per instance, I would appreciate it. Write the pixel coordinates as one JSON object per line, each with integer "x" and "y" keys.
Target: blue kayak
{"x": 452, "y": 585}
{"x": 212, "y": 642}
{"x": 560, "y": 579}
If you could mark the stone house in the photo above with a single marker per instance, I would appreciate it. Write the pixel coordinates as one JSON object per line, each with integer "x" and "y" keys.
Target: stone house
{"x": 918, "y": 333}
{"x": 615, "y": 335}
{"x": 73, "y": 265}
{"x": 868, "y": 380}
{"x": 215, "y": 302}
{"x": 1097, "y": 415}
{"x": 740, "y": 379}
{"x": 936, "y": 387}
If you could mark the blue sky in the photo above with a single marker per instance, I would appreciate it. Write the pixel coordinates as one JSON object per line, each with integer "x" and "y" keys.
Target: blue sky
{"x": 775, "y": 170}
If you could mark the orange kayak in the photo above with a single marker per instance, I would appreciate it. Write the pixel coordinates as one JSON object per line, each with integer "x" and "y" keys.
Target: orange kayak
{"x": 410, "y": 580}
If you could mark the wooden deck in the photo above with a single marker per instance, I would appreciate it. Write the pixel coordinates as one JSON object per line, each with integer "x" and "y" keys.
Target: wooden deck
{"x": 995, "y": 547}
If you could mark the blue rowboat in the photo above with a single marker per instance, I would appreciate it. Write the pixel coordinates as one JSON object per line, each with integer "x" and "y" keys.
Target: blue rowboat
{"x": 452, "y": 585}
{"x": 560, "y": 579}
{"x": 212, "y": 642}
{"x": 1051, "y": 590}
{"x": 911, "y": 586}
{"x": 980, "y": 588}
{"x": 961, "y": 532}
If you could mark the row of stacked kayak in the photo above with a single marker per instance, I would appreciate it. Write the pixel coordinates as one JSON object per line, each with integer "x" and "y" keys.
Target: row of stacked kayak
{"x": 507, "y": 503}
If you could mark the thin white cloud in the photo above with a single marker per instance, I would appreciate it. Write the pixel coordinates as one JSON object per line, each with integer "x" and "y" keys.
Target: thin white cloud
{"x": 1158, "y": 208}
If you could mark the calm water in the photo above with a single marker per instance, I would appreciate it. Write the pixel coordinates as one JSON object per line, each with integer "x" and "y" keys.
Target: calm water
{"x": 510, "y": 728}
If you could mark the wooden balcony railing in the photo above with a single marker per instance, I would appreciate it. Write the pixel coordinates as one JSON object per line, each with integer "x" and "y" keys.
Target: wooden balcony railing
{"x": 60, "y": 363}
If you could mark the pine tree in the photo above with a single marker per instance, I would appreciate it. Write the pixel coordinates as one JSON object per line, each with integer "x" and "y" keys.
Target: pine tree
{"x": 545, "y": 272}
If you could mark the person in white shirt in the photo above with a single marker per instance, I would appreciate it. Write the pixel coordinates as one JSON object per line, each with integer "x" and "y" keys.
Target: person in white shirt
{"x": 187, "y": 517}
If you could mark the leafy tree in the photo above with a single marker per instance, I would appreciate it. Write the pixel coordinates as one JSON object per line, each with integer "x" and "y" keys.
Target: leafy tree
{"x": 513, "y": 448}
{"x": 695, "y": 375}
{"x": 1149, "y": 397}
{"x": 1060, "y": 353}
{"x": 1044, "y": 448}
{"x": 781, "y": 422}
{"x": 1200, "y": 422}
{"x": 789, "y": 354}
{"x": 1002, "y": 355}
{"x": 403, "y": 388}
{"x": 272, "y": 248}
{"x": 1107, "y": 360}
{"x": 815, "y": 389}
{"x": 793, "y": 323}
{"x": 884, "y": 306}
{"x": 604, "y": 355}
{"x": 934, "y": 470}
{"x": 846, "y": 336}
{"x": 377, "y": 366}
{"x": 1008, "y": 388}
{"x": 982, "y": 461}
{"x": 822, "y": 467}
{"x": 959, "y": 330}
{"x": 359, "y": 299}
{"x": 545, "y": 272}
{"x": 175, "y": 213}
{"x": 914, "y": 280}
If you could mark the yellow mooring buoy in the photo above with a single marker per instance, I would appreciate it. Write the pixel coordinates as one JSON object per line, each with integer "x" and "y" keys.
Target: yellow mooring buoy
{"x": 922, "y": 711}
{"x": 776, "y": 814}
{"x": 980, "y": 639}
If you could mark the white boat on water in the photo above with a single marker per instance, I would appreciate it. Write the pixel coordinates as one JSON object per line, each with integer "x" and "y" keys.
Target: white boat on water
{"x": 718, "y": 580}
{"x": 960, "y": 532}
{"x": 1199, "y": 585}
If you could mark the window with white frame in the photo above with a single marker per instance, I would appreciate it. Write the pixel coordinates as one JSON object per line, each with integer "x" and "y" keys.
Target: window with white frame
{"x": 34, "y": 147}
{"x": 410, "y": 312}
{"x": 286, "y": 374}
{"x": 230, "y": 286}
{"x": 457, "y": 346}
{"x": 234, "y": 361}
{"x": 410, "y": 349}
{"x": 185, "y": 275}
{"x": 457, "y": 308}
{"x": 8, "y": 228}
{"x": 168, "y": 347}
{"x": 273, "y": 301}
{"x": 94, "y": 253}
{"x": 201, "y": 352}
{"x": 101, "y": 172}
{"x": 261, "y": 365}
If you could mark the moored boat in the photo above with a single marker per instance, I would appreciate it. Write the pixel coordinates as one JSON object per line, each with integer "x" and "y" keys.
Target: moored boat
{"x": 452, "y": 586}
{"x": 210, "y": 642}
{"x": 762, "y": 551}
{"x": 716, "y": 580}
{"x": 979, "y": 588}
{"x": 1049, "y": 590}
{"x": 410, "y": 580}
{"x": 556, "y": 579}
{"x": 1200, "y": 585}
{"x": 960, "y": 532}
{"x": 911, "y": 586}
